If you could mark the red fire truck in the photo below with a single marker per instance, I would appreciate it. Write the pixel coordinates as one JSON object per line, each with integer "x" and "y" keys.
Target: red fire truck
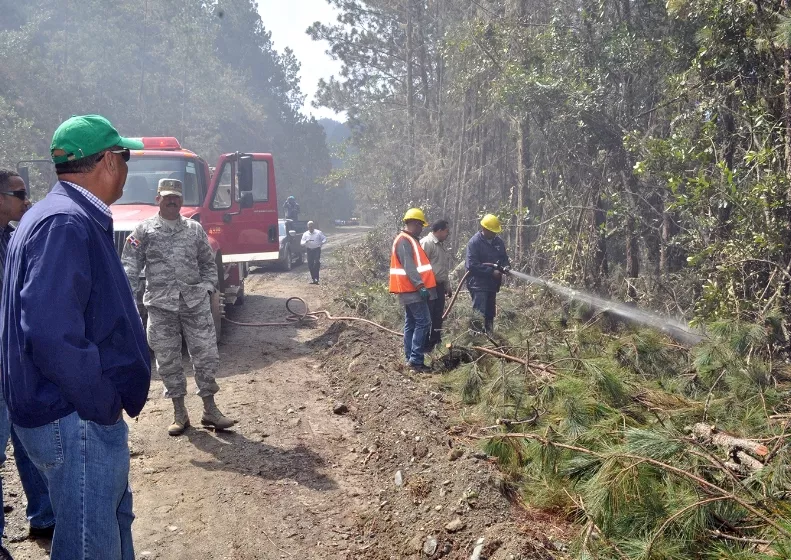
{"x": 236, "y": 205}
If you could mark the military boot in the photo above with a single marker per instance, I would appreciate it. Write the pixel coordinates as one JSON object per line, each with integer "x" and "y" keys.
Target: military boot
{"x": 213, "y": 417}
{"x": 181, "y": 419}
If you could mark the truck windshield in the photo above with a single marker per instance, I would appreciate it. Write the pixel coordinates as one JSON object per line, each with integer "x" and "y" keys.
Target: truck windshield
{"x": 145, "y": 173}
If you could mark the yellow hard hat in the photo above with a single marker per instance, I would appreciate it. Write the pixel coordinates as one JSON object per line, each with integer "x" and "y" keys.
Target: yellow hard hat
{"x": 415, "y": 214}
{"x": 492, "y": 223}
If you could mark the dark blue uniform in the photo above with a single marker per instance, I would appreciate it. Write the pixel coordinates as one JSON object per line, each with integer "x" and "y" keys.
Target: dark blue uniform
{"x": 482, "y": 255}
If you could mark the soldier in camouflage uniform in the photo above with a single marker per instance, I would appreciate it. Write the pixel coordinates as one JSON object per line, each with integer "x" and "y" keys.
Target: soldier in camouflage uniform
{"x": 180, "y": 277}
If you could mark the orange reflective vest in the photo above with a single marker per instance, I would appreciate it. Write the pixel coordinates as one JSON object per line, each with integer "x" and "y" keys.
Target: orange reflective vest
{"x": 399, "y": 281}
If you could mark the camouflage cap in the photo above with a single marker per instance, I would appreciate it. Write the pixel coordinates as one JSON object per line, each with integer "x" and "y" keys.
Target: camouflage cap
{"x": 169, "y": 187}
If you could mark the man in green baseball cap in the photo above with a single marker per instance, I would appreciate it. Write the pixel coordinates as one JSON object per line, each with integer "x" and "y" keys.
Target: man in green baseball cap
{"x": 84, "y": 136}
{"x": 79, "y": 147}
{"x": 79, "y": 358}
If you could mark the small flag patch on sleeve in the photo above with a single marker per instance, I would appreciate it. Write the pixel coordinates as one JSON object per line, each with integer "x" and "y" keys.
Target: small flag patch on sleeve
{"x": 133, "y": 241}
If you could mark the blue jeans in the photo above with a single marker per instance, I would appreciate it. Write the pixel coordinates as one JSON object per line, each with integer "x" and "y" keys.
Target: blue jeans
{"x": 87, "y": 468}
{"x": 417, "y": 326}
{"x": 39, "y": 509}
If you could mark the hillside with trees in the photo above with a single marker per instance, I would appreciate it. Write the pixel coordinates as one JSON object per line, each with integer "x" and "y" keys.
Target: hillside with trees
{"x": 636, "y": 149}
{"x": 207, "y": 74}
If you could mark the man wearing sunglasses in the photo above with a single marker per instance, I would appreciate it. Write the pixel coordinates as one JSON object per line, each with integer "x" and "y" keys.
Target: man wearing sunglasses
{"x": 74, "y": 348}
{"x": 13, "y": 204}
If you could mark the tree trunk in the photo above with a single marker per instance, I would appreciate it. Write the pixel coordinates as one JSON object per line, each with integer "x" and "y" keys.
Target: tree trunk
{"x": 424, "y": 67}
{"x": 410, "y": 92}
{"x": 787, "y": 114}
{"x": 664, "y": 244}
{"x": 523, "y": 188}
{"x": 141, "y": 93}
{"x": 600, "y": 265}
{"x": 461, "y": 175}
{"x": 480, "y": 190}
{"x": 787, "y": 106}
{"x": 632, "y": 255}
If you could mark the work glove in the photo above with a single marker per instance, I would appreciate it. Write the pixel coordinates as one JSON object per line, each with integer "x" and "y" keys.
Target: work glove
{"x": 424, "y": 293}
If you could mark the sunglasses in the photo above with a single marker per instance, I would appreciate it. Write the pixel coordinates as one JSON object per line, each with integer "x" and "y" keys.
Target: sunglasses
{"x": 21, "y": 195}
{"x": 125, "y": 154}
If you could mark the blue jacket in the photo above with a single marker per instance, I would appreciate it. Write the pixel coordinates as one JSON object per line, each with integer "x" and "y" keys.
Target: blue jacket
{"x": 71, "y": 336}
{"x": 480, "y": 251}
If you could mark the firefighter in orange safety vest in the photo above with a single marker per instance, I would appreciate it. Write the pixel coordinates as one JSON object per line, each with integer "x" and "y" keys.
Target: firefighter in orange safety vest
{"x": 412, "y": 278}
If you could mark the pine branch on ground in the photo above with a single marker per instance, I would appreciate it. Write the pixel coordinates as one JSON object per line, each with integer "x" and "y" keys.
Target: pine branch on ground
{"x": 612, "y": 448}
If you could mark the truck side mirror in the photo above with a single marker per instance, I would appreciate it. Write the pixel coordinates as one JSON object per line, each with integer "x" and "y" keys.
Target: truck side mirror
{"x": 24, "y": 173}
{"x": 245, "y": 199}
{"x": 245, "y": 172}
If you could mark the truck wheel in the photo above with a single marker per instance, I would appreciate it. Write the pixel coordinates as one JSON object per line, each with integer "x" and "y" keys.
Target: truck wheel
{"x": 301, "y": 258}
{"x": 215, "y": 303}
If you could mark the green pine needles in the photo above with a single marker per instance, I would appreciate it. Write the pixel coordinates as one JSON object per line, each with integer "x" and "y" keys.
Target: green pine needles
{"x": 613, "y": 446}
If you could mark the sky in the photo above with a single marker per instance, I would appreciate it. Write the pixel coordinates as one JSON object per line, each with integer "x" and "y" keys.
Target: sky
{"x": 287, "y": 21}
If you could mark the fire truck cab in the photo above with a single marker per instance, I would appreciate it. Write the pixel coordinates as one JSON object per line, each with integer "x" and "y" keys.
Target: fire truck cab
{"x": 236, "y": 205}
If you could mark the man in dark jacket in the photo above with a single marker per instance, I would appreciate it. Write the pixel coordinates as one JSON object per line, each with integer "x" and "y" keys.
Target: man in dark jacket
{"x": 74, "y": 348}
{"x": 14, "y": 202}
{"x": 486, "y": 263}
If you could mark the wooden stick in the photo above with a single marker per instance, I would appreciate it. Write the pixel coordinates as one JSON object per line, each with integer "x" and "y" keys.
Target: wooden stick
{"x": 510, "y": 358}
{"x": 744, "y": 464}
{"x": 706, "y": 432}
{"x": 722, "y": 535}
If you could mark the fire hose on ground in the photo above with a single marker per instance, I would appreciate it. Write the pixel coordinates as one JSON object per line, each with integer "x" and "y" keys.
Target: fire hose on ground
{"x": 307, "y": 317}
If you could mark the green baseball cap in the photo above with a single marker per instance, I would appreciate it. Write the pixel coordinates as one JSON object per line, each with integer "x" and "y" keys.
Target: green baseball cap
{"x": 86, "y": 135}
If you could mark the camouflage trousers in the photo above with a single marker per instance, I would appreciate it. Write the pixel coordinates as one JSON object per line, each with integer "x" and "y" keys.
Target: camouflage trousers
{"x": 165, "y": 329}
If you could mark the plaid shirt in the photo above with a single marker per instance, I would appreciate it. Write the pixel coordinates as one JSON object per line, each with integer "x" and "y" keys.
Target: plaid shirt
{"x": 91, "y": 198}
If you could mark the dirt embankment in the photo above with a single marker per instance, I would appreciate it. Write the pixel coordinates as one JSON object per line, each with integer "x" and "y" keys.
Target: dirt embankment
{"x": 391, "y": 477}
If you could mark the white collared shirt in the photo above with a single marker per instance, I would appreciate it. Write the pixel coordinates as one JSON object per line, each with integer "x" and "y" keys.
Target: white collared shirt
{"x": 313, "y": 240}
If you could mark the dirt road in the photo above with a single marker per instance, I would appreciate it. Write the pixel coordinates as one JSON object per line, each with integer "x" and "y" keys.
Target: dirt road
{"x": 293, "y": 479}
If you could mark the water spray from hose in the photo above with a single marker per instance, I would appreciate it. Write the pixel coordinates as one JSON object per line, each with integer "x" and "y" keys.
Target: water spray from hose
{"x": 673, "y": 328}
